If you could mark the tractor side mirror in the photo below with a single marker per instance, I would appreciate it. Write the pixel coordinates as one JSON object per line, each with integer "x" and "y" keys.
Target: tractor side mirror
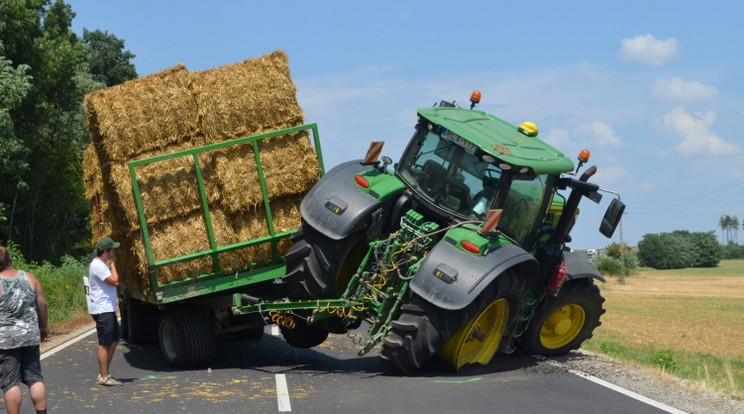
{"x": 611, "y": 218}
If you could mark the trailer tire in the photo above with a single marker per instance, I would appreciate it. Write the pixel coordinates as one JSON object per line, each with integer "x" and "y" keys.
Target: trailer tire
{"x": 423, "y": 328}
{"x": 124, "y": 311}
{"x": 139, "y": 321}
{"x": 563, "y": 323}
{"x": 186, "y": 337}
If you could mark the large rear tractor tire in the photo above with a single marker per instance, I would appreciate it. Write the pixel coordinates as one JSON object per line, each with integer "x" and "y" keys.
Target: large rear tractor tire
{"x": 186, "y": 337}
{"x": 469, "y": 335}
{"x": 319, "y": 267}
{"x": 563, "y": 323}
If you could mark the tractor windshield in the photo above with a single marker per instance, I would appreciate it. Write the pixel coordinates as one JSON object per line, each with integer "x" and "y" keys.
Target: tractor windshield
{"x": 449, "y": 176}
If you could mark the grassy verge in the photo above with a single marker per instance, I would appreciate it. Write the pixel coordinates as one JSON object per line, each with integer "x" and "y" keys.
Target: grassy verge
{"x": 63, "y": 287}
{"x": 688, "y": 323}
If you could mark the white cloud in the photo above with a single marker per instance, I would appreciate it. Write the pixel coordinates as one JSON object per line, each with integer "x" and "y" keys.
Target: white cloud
{"x": 679, "y": 90}
{"x": 695, "y": 134}
{"x": 608, "y": 175}
{"x": 648, "y": 50}
{"x": 600, "y": 134}
{"x": 558, "y": 138}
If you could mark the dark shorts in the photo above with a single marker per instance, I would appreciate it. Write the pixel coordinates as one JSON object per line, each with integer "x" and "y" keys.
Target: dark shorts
{"x": 107, "y": 326}
{"x": 19, "y": 365}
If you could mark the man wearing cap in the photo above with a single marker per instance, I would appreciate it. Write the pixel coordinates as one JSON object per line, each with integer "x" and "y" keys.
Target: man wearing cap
{"x": 103, "y": 281}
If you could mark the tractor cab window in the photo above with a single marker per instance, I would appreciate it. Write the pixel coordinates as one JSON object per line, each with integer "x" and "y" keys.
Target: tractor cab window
{"x": 525, "y": 208}
{"x": 449, "y": 176}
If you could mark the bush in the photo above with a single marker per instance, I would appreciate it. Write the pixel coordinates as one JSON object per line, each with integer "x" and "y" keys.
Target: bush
{"x": 610, "y": 265}
{"x": 732, "y": 251}
{"x": 63, "y": 285}
{"x": 679, "y": 249}
{"x": 607, "y": 266}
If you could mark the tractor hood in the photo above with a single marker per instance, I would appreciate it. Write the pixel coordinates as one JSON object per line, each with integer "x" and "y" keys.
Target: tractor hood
{"x": 498, "y": 138}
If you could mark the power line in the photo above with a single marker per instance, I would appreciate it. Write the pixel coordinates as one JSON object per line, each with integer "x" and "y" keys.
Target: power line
{"x": 685, "y": 208}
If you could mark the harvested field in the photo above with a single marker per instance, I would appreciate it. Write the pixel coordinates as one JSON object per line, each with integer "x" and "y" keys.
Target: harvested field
{"x": 692, "y": 310}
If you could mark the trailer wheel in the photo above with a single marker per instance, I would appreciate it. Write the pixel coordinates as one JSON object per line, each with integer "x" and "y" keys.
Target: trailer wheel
{"x": 124, "y": 311}
{"x": 186, "y": 337}
{"x": 564, "y": 323}
{"x": 469, "y": 335}
{"x": 139, "y": 321}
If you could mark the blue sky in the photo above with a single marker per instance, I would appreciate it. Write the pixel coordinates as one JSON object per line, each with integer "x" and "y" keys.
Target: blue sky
{"x": 653, "y": 89}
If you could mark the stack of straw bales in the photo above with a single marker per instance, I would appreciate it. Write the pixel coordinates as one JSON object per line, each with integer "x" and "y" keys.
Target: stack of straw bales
{"x": 175, "y": 110}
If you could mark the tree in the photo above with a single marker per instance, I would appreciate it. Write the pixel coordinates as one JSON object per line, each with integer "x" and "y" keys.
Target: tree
{"x": 729, "y": 228}
{"x": 49, "y": 215}
{"x": 108, "y": 62}
{"x": 14, "y": 85}
{"x": 613, "y": 250}
{"x": 679, "y": 249}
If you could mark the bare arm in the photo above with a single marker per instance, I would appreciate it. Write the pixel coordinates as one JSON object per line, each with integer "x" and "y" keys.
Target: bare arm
{"x": 114, "y": 278}
{"x": 41, "y": 306}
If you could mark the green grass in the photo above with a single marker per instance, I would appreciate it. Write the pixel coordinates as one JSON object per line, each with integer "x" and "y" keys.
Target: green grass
{"x": 62, "y": 285}
{"x": 722, "y": 374}
{"x": 698, "y": 338}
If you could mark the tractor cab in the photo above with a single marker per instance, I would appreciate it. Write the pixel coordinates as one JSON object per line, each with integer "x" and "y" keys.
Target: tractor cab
{"x": 462, "y": 163}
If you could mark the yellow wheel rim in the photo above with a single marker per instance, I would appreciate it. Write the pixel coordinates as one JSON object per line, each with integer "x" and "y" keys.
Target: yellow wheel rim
{"x": 479, "y": 339}
{"x": 562, "y": 327}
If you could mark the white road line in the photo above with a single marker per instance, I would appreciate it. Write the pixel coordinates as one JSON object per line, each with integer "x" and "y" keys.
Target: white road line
{"x": 282, "y": 394}
{"x": 628, "y": 392}
{"x": 67, "y": 343}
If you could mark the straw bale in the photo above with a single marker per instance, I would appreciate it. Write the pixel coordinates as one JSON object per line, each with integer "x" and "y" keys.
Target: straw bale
{"x": 285, "y": 214}
{"x": 169, "y": 189}
{"x": 141, "y": 115}
{"x": 245, "y": 98}
{"x": 174, "y": 110}
{"x": 289, "y": 165}
{"x": 181, "y": 236}
{"x": 93, "y": 185}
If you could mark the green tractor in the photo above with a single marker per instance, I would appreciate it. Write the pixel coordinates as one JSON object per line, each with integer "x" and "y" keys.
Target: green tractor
{"x": 458, "y": 251}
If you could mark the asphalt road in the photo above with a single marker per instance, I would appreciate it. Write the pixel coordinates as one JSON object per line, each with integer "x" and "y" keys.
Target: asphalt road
{"x": 269, "y": 376}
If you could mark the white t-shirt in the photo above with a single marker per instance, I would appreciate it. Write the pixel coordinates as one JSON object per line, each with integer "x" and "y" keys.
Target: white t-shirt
{"x": 102, "y": 293}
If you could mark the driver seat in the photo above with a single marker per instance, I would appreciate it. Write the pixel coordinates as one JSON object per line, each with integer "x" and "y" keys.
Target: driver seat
{"x": 434, "y": 175}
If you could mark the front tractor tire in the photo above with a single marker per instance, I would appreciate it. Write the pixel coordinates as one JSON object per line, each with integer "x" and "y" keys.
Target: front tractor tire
{"x": 473, "y": 334}
{"x": 563, "y": 323}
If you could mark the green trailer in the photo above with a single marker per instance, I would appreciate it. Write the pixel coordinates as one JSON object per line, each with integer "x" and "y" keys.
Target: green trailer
{"x": 185, "y": 315}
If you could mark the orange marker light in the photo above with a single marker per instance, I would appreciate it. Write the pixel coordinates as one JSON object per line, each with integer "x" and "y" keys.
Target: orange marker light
{"x": 475, "y": 97}
{"x": 584, "y": 155}
{"x": 361, "y": 181}
{"x": 470, "y": 246}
